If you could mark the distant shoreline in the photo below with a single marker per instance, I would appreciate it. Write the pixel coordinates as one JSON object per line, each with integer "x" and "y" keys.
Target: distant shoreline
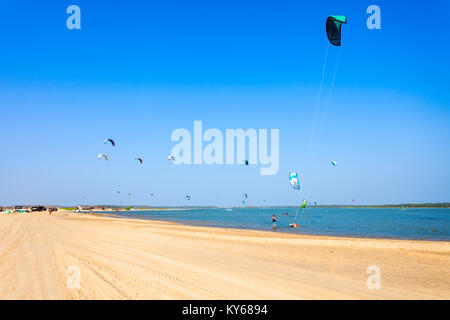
{"x": 383, "y": 206}
{"x": 113, "y": 208}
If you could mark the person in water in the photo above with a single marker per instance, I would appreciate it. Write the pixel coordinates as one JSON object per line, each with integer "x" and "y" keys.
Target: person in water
{"x": 274, "y": 220}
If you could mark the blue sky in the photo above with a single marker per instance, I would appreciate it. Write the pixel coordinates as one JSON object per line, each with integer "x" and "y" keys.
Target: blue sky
{"x": 137, "y": 71}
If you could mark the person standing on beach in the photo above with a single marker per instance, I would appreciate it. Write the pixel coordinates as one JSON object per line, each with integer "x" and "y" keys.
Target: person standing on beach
{"x": 274, "y": 220}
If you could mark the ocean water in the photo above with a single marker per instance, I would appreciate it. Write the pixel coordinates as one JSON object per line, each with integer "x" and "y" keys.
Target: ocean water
{"x": 419, "y": 224}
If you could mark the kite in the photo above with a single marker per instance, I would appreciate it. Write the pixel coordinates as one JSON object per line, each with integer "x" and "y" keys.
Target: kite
{"x": 293, "y": 179}
{"x": 110, "y": 140}
{"x": 333, "y": 27}
{"x": 102, "y": 155}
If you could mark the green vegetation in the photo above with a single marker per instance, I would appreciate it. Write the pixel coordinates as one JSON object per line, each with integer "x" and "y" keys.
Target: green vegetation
{"x": 127, "y": 208}
{"x": 380, "y": 206}
{"x": 68, "y": 208}
{"x": 415, "y": 205}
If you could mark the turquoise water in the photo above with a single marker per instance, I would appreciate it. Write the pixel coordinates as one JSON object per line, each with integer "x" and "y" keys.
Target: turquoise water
{"x": 420, "y": 224}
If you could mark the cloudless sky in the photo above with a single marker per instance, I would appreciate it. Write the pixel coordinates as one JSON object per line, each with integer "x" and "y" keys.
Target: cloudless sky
{"x": 137, "y": 70}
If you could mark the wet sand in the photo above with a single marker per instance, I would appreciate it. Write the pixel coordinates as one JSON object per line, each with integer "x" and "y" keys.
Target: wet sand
{"x": 141, "y": 259}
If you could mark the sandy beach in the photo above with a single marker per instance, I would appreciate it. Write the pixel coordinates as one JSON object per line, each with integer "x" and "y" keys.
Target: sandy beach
{"x": 137, "y": 259}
